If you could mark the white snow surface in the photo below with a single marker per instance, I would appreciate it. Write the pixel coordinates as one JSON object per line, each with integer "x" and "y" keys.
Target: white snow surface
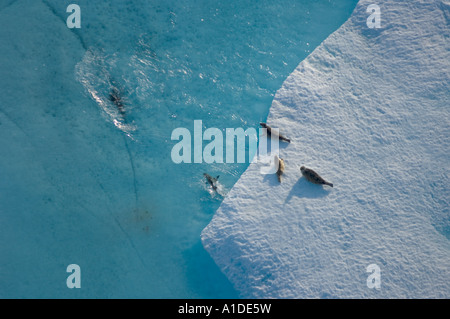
{"x": 369, "y": 111}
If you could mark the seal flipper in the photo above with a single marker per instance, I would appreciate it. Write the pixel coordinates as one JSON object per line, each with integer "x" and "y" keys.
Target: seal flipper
{"x": 285, "y": 139}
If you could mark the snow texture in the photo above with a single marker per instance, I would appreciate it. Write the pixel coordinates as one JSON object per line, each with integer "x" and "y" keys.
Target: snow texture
{"x": 368, "y": 110}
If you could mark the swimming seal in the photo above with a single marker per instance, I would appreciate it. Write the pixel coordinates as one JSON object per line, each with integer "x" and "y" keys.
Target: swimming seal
{"x": 115, "y": 97}
{"x": 269, "y": 133}
{"x": 280, "y": 169}
{"x": 313, "y": 177}
{"x": 211, "y": 180}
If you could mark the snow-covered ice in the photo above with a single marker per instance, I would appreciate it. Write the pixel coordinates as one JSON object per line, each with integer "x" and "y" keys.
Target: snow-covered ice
{"x": 368, "y": 110}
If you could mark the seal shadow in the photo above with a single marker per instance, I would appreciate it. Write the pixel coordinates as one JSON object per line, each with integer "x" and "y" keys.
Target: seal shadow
{"x": 272, "y": 179}
{"x": 305, "y": 189}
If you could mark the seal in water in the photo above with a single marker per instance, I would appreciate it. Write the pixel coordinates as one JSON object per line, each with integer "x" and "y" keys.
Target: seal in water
{"x": 313, "y": 177}
{"x": 280, "y": 169}
{"x": 211, "y": 180}
{"x": 115, "y": 97}
{"x": 269, "y": 132}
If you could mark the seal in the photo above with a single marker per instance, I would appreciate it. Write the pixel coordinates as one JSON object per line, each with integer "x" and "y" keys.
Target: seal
{"x": 313, "y": 177}
{"x": 116, "y": 98}
{"x": 280, "y": 169}
{"x": 270, "y": 133}
{"x": 211, "y": 180}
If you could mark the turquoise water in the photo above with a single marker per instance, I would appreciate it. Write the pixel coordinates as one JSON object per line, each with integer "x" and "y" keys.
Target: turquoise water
{"x": 173, "y": 62}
